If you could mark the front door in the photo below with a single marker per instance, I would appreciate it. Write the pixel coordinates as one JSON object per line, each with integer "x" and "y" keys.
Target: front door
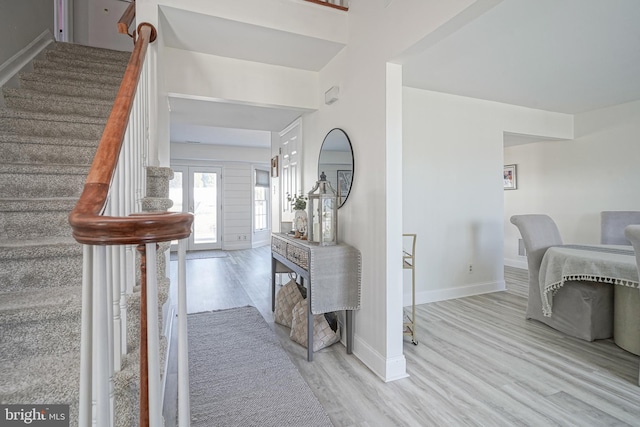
{"x": 196, "y": 189}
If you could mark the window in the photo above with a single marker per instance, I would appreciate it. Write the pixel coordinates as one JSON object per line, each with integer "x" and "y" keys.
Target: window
{"x": 261, "y": 200}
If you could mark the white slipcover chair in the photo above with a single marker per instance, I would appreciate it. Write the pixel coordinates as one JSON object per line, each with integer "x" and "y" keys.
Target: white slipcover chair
{"x": 581, "y": 309}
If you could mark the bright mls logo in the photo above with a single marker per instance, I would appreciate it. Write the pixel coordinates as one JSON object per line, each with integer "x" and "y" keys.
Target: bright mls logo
{"x": 34, "y": 415}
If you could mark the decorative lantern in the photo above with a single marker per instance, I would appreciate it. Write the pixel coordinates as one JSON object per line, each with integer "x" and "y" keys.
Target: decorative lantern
{"x": 323, "y": 213}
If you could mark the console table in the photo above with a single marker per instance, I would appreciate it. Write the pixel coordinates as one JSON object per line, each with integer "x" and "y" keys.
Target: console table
{"x": 332, "y": 275}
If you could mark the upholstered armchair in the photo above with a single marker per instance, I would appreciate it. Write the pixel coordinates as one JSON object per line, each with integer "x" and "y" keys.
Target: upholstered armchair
{"x": 580, "y": 309}
{"x": 632, "y": 233}
{"x": 613, "y": 224}
{"x": 626, "y": 324}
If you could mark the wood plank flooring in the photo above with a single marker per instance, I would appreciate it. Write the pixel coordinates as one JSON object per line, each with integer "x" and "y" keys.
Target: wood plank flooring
{"x": 479, "y": 362}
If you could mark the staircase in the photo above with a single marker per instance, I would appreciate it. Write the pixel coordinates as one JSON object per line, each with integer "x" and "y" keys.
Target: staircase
{"x": 49, "y": 131}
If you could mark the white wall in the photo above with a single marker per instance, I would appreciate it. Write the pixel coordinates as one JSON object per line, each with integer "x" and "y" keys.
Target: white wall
{"x": 198, "y": 74}
{"x": 26, "y": 28}
{"x": 453, "y": 191}
{"x": 573, "y": 181}
{"x": 21, "y": 22}
{"x": 369, "y": 111}
{"x": 95, "y": 23}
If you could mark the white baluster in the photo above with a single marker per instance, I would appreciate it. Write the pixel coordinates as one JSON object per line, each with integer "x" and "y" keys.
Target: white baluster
{"x": 85, "y": 409}
{"x": 123, "y": 297}
{"x": 153, "y": 336}
{"x": 108, "y": 284}
{"x": 100, "y": 339}
{"x": 184, "y": 410}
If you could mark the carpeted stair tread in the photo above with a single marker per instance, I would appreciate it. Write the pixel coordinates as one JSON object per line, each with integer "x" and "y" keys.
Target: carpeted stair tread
{"x": 51, "y": 117}
{"x": 22, "y": 180}
{"x": 38, "y": 377}
{"x": 90, "y": 57}
{"x": 31, "y": 301}
{"x": 45, "y": 247}
{"x": 51, "y": 84}
{"x": 115, "y": 55}
{"x": 90, "y": 70}
{"x": 42, "y": 204}
{"x": 73, "y": 62}
{"x": 53, "y": 332}
{"x": 30, "y": 100}
{"x": 7, "y": 137}
{"x": 49, "y": 124}
{"x": 33, "y": 218}
{"x": 46, "y": 70}
{"x": 30, "y": 152}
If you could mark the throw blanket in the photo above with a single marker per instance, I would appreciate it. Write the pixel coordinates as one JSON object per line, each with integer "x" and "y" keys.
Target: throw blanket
{"x": 611, "y": 264}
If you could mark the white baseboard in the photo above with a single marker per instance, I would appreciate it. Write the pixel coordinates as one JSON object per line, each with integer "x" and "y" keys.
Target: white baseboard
{"x": 17, "y": 62}
{"x": 391, "y": 369}
{"x": 424, "y": 297}
{"x": 260, "y": 243}
{"x": 517, "y": 263}
{"x": 232, "y": 246}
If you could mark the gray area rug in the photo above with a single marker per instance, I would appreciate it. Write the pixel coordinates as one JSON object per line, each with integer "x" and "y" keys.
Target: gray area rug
{"x": 241, "y": 376}
{"x": 201, "y": 254}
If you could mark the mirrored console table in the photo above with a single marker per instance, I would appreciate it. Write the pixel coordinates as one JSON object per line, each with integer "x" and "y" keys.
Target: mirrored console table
{"x": 331, "y": 275}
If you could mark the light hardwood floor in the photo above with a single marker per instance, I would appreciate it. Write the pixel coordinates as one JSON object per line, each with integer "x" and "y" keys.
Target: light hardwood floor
{"x": 478, "y": 362}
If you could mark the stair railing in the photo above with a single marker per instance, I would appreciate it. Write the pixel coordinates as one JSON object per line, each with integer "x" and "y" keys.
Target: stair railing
{"x": 108, "y": 222}
{"x": 336, "y": 4}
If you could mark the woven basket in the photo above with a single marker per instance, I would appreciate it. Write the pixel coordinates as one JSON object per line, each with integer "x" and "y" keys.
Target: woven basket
{"x": 287, "y": 298}
{"x": 323, "y": 335}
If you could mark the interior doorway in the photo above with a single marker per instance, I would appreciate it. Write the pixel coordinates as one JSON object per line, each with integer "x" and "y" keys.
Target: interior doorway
{"x": 197, "y": 189}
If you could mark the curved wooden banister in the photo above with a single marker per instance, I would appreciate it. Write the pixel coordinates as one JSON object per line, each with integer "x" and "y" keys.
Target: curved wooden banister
{"x": 89, "y": 226}
{"x": 325, "y": 3}
{"x": 127, "y": 18}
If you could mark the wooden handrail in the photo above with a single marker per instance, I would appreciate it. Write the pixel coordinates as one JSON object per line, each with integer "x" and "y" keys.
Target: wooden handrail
{"x": 127, "y": 18}
{"x": 324, "y": 3}
{"x": 89, "y": 226}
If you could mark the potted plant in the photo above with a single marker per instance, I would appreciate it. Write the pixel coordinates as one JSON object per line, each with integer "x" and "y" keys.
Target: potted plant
{"x": 299, "y": 204}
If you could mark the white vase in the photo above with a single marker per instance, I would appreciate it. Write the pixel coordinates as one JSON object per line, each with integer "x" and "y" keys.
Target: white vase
{"x": 300, "y": 221}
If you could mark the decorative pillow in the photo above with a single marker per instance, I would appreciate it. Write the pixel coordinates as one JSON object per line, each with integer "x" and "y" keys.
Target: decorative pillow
{"x": 323, "y": 335}
{"x": 288, "y": 296}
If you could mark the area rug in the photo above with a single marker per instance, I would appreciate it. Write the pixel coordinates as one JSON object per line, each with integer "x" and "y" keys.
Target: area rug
{"x": 201, "y": 255}
{"x": 240, "y": 375}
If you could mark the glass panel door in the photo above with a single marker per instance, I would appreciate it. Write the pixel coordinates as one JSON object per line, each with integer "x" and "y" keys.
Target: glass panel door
{"x": 196, "y": 189}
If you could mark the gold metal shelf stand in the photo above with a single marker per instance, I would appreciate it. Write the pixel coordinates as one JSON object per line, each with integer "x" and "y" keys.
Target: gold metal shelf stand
{"x": 409, "y": 263}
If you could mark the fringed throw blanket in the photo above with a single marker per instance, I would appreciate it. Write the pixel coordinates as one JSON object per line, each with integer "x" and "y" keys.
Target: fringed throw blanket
{"x": 599, "y": 263}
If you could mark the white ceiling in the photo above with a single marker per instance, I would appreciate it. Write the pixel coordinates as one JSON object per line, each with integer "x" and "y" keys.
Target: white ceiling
{"x": 212, "y": 121}
{"x": 223, "y": 37}
{"x": 566, "y": 56}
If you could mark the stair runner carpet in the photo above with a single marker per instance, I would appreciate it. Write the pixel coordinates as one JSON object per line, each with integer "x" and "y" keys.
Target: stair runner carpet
{"x": 49, "y": 130}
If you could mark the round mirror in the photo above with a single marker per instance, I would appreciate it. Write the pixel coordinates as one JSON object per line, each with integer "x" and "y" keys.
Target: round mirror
{"x": 336, "y": 161}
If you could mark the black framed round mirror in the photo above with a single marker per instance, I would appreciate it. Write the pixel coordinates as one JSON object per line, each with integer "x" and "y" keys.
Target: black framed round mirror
{"x": 336, "y": 161}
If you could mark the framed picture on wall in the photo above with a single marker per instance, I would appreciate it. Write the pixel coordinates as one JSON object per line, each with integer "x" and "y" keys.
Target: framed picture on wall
{"x": 274, "y": 167}
{"x": 510, "y": 178}
{"x": 344, "y": 181}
